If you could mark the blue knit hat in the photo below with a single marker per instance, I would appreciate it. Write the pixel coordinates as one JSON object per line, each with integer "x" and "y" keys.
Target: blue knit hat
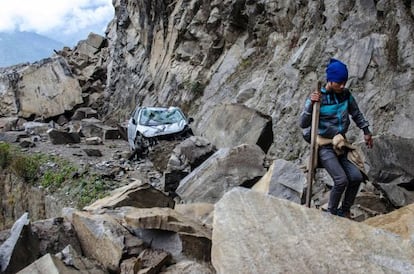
{"x": 336, "y": 71}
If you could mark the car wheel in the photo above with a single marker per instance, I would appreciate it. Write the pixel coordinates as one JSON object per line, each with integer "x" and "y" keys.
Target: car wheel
{"x": 141, "y": 145}
{"x": 188, "y": 133}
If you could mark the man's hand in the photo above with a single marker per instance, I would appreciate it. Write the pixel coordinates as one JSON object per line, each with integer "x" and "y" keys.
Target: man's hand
{"x": 315, "y": 96}
{"x": 368, "y": 140}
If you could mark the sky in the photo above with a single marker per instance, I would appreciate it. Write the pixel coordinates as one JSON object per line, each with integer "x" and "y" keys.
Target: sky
{"x": 66, "y": 21}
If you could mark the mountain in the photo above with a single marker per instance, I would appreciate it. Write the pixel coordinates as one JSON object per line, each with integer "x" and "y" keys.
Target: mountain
{"x": 21, "y": 47}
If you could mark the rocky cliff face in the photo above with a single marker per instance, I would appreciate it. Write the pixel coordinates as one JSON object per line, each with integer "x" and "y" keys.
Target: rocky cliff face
{"x": 238, "y": 66}
{"x": 266, "y": 55}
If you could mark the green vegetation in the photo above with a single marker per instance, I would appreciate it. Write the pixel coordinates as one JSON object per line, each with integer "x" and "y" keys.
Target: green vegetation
{"x": 90, "y": 190}
{"x": 4, "y": 155}
{"x": 245, "y": 63}
{"x": 55, "y": 175}
{"x": 54, "y": 179}
{"x": 25, "y": 167}
{"x": 194, "y": 86}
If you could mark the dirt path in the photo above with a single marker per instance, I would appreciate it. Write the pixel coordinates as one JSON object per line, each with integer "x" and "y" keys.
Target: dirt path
{"x": 111, "y": 150}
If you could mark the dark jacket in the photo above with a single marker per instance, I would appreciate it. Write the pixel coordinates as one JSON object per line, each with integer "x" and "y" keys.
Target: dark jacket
{"x": 334, "y": 114}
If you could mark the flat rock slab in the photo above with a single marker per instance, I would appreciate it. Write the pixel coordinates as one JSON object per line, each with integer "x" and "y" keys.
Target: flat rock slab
{"x": 48, "y": 264}
{"x": 136, "y": 194}
{"x": 256, "y": 233}
{"x": 188, "y": 237}
{"x": 400, "y": 222}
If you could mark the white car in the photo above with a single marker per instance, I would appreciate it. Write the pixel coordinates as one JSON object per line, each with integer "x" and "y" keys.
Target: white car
{"x": 149, "y": 124}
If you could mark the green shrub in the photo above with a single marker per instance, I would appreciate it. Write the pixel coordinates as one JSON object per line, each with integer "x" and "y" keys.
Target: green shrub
{"x": 25, "y": 167}
{"x": 54, "y": 174}
{"x": 91, "y": 190}
{"x": 4, "y": 155}
{"x": 245, "y": 63}
{"x": 194, "y": 86}
{"x": 54, "y": 178}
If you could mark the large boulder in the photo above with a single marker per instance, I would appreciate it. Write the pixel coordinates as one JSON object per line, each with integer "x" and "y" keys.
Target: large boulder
{"x": 45, "y": 89}
{"x": 8, "y": 123}
{"x": 256, "y": 233}
{"x": 167, "y": 229}
{"x": 101, "y": 237}
{"x": 230, "y": 125}
{"x": 55, "y": 234}
{"x": 184, "y": 158}
{"x": 21, "y": 248}
{"x": 391, "y": 167}
{"x": 225, "y": 169}
{"x": 136, "y": 194}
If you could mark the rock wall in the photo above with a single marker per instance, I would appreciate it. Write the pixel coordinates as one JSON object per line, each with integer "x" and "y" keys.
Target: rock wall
{"x": 265, "y": 54}
{"x": 19, "y": 197}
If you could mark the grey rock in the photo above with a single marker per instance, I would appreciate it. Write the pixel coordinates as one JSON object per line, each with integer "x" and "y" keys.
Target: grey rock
{"x": 152, "y": 261}
{"x": 171, "y": 231}
{"x": 58, "y": 137}
{"x": 93, "y": 141}
{"x": 190, "y": 153}
{"x": 136, "y": 194}
{"x": 390, "y": 166}
{"x": 233, "y": 124}
{"x": 12, "y": 136}
{"x": 85, "y": 112}
{"x": 36, "y": 127}
{"x": 202, "y": 212}
{"x": 71, "y": 258}
{"x": 47, "y": 264}
{"x": 25, "y": 143}
{"x": 225, "y": 169}
{"x": 54, "y": 235}
{"x": 57, "y": 92}
{"x": 189, "y": 267}
{"x": 185, "y": 157}
{"x": 92, "y": 127}
{"x": 93, "y": 152}
{"x": 101, "y": 238}
{"x": 8, "y": 123}
{"x": 283, "y": 180}
{"x": 21, "y": 248}
{"x": 288, "y": 238}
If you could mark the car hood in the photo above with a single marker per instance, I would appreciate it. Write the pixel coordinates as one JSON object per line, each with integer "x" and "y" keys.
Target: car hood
{"x": 164, "y": 129}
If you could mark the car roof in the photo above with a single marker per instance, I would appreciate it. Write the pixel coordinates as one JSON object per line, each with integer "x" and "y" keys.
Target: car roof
{"x": 158, "y": 108}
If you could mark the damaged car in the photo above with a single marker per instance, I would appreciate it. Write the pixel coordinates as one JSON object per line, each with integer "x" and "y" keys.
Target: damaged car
{"x": 147, "y": 125}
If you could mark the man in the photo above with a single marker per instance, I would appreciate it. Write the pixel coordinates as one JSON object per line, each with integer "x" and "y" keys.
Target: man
{"x": 337, "y": 104}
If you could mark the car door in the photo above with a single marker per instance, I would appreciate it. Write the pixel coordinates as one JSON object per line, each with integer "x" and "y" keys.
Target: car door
{"x": 132, "y": 127}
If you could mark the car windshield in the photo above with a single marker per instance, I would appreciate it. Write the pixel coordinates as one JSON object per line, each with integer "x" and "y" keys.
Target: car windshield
{"x": 155, "y": 117}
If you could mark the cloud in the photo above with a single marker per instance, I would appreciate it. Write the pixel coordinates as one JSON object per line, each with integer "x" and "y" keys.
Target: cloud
{"x": 59, "y": 16}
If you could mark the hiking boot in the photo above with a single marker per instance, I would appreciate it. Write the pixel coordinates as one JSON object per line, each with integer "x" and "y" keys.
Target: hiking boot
{"x": 344, "y": 214}
{"x": 327, "y": 212}
{"x": 333, "y": 211}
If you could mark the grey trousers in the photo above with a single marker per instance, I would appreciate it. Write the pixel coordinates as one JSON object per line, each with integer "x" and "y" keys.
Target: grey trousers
{"x": 346, "y": 176}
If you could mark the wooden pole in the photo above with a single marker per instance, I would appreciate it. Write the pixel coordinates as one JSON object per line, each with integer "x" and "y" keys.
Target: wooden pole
{"x": 313, "y": 149}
